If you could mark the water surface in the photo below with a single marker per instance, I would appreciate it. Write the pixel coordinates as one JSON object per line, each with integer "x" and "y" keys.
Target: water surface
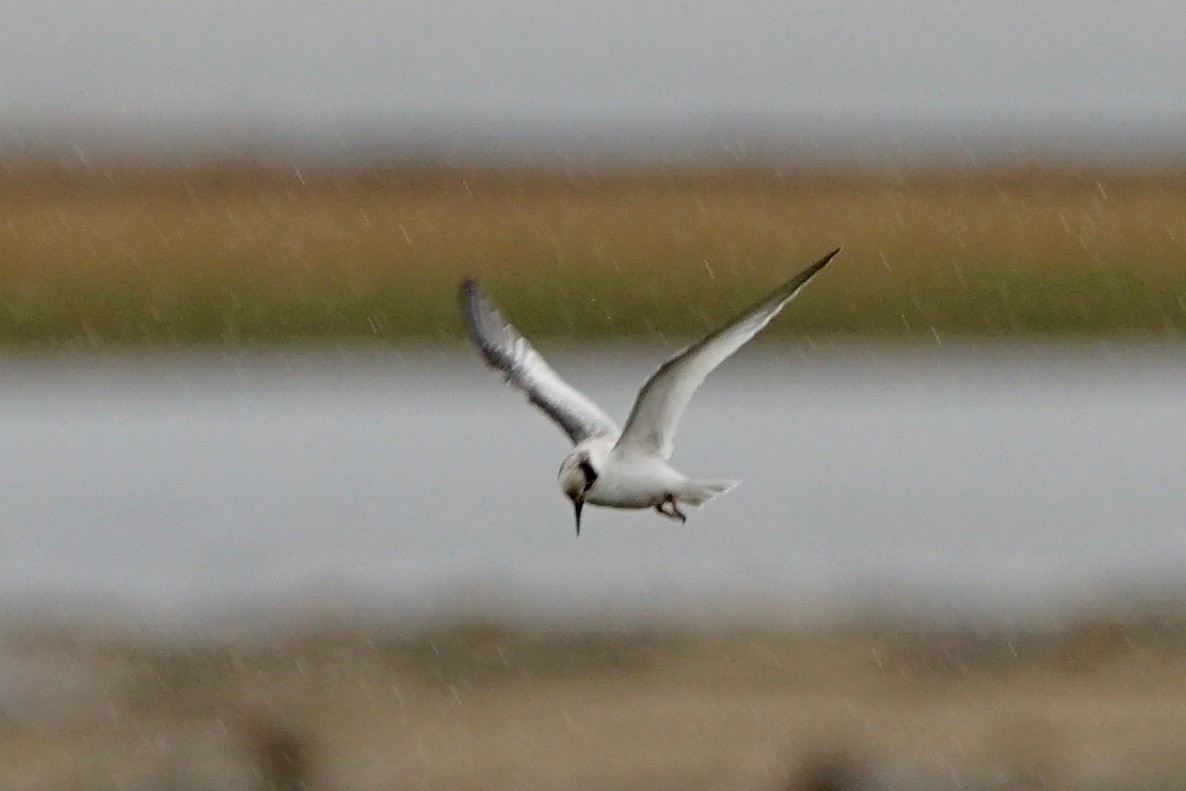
{"x": 966, "y": 475}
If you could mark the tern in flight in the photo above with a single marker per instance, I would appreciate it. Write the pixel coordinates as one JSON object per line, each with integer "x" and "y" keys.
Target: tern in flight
{"x": 624, "y": 468}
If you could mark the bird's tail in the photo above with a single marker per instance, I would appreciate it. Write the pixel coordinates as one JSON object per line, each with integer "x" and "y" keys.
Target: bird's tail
{"x": 697, "y": 493}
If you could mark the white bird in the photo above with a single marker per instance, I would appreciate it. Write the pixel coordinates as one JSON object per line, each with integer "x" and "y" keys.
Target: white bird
{"x": 626, "y": 468}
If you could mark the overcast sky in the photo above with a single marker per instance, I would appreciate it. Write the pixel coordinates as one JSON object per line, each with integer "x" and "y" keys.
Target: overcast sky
{"x": 300, "y": 64}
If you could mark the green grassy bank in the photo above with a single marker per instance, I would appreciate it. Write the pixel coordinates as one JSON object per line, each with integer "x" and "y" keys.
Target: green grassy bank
{"x": 241, "y": 254}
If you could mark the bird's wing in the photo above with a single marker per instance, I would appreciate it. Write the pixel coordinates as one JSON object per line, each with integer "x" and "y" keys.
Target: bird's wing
{"x": 522, "y": 366}
{"x": 661, "y": 402}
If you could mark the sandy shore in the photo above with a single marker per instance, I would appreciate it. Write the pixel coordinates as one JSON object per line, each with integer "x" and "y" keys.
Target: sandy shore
{"x": 1094, "y": 702}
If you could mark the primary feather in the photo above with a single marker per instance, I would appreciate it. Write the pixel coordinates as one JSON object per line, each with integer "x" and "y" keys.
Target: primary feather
{"x": 660, "y": 404}
{"x": 525, "y": 368}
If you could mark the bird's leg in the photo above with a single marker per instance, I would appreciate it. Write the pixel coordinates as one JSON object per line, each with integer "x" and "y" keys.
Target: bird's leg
{"x": 674, "y": 513}
{"x": 678, "y": 513}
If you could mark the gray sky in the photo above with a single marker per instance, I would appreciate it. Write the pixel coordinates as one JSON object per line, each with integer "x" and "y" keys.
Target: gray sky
{"x": 227, "y": 64}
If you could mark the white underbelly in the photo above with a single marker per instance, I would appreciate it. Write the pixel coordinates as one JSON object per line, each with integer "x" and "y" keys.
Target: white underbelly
{"x": 643, "y": 484}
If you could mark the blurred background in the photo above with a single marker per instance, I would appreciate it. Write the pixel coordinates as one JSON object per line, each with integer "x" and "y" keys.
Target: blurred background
{"x": 268, "y": 522}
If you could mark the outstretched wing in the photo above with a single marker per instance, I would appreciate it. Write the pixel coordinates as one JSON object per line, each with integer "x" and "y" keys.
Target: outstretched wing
{"x": 661, "y": 401}
{"x": 522, "y": 366}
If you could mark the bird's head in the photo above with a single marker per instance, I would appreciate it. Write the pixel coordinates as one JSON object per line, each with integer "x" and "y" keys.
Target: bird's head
{"x": 577, "y": 475}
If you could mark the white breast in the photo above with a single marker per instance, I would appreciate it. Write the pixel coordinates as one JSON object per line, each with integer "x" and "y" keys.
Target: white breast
{"x": 634, "y": 481}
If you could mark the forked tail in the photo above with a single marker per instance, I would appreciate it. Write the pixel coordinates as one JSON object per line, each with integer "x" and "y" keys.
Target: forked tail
{"x": 697, "y": 493}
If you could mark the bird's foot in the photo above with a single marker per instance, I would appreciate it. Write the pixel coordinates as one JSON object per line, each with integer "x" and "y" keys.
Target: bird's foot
{"x": 674, "y": 513}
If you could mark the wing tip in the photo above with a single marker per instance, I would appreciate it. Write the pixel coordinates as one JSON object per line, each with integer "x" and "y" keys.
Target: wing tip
{"x": 485, "y": 325}
{"x": 469, "y": 298}
{"x": 820, "y": 264}
{"x": 800, "y": 280}
{"x": 468, "y": 287}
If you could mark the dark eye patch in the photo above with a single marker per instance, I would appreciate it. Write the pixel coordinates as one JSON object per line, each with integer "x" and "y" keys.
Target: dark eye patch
{"x": 589, "y": 473}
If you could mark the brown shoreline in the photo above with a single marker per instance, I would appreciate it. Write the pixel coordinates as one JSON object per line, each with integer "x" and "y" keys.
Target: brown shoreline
{"x": 1095, "y": 701}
